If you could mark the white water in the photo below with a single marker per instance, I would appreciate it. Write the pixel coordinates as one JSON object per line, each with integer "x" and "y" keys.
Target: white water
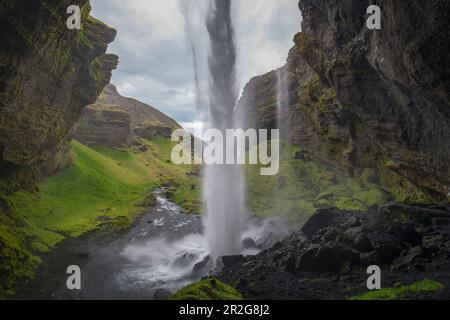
{"x": 215, "y": 75}
{"x": 166, "y": 261}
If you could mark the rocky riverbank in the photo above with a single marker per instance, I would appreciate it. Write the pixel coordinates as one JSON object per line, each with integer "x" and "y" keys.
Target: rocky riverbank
{"x": 328, "y": 258}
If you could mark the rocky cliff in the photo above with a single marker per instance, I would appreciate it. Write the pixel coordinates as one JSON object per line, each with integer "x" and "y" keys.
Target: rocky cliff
{"x": 48, "y": 75}
{"x": 146, "y": 121}
{"x": 115, "y": 121}
{"x": 102, "y": 125}
{"x": 372, "y": 103}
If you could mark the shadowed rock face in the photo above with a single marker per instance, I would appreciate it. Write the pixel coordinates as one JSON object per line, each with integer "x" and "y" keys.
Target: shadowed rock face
{"x": 372, "y": 103}
{"x": 104, "y": 125}
{"x": 48, "y": 75}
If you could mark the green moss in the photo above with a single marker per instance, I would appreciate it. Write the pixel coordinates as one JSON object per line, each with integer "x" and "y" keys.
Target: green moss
{"x": 209, "y": 289}
{"x": 303, "y": 184}
{"x": 101, "y": 190}
{"x": 402, "y": 292}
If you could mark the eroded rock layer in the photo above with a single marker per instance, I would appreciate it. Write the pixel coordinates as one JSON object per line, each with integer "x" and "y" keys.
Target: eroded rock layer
{"x": 48, "y": 75}
{"x": 373, "y": 103}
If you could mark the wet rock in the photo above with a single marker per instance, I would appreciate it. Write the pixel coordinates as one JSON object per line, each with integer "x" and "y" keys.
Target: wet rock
{"x": 149, "y": 201}
{"x": 328, "y": 257}
{"x": 249, "y": 243}
{"x": 231, "y": 261}
{"x": 202, "y": 268}
{"x": 408, "y": 257}
{"x": 323, "y": 218}
{"x": 184, "y": 258}
{"x": 362, "y": 244}
{"x": 272, "y": 234}
{"x": 370, "y": 258}
{"x": 407, "y": 233}
{"x": 170, "y": 192}
{"x": 387, "y": 246}
{"x": 340, "y": 246}
{"x": 162, "y": 294}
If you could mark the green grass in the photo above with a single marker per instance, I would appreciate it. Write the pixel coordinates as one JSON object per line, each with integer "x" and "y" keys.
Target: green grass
{"x": 402, "y": 292}
{"x": 103, "y": 187}
{"x": 209, "y": 289}
{"x": 102, "y": 190}
{"x": 303, "y": 185}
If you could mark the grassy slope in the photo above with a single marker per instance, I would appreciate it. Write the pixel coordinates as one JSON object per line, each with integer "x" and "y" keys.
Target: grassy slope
{"x": 101, "y": 190}
{"x": 303, "y": 185}
{"x": 402, "y": 292}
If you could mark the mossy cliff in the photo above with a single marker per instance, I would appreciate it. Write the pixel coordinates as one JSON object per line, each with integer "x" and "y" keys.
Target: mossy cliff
{"x": 372, "y": 105}
{"x": 48, "y": 74}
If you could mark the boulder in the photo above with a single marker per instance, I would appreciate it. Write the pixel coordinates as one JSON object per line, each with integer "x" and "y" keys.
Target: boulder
{"x": 324, "y": 217}
{"x": 202, "y": 268}
{"x": 249, "y": 243}
{"x": 328, "y": 257}
{"x": 150, "y": 201}
{"x": 387, "y": 246}
{"x": 230, "y": 261}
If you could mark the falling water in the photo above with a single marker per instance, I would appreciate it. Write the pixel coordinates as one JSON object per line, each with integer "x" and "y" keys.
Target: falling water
{"x": 223, "y": 184}
{"x": 223, "y": 194}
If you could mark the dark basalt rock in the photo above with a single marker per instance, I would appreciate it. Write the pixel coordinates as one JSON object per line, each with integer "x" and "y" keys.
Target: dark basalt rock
{"x": 332, "y": 257}
{"x": 249, "y": 243}
{"x": 202, "y": 268}
{"x": 230, "y": 261}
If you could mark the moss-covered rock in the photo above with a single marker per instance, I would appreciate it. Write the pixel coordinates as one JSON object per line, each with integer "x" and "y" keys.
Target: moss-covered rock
{"x": 49, "y": 74}
{"x": 402, "y": 292}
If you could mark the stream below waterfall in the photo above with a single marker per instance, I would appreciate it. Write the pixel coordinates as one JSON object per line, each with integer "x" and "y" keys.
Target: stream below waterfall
{"x": 154, "y": 258}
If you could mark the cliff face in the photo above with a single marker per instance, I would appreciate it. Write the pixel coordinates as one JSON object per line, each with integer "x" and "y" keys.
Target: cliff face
{"x": 372, "y": 103}
{"x": 48, "y": 74}
{"x": 114, "y": 121}
{"x": 104, "y": 125}
{"x": 146, "y": 121}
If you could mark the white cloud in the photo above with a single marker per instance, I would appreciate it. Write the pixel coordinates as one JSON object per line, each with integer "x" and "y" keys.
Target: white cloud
{"x": 155, "y": 60}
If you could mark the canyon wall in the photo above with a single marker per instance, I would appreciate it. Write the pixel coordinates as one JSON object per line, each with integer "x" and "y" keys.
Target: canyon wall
{"x": 372, "y": 103}
{"x": 48, "y": 75}
{"x": 116, "y": 121}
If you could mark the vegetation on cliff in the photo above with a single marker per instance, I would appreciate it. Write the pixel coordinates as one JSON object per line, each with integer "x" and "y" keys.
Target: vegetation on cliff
{"x": 49, "y": 73}
{"x": 304, "y": 184}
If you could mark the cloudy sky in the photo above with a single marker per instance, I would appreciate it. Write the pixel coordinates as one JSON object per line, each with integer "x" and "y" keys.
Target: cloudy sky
{"x": 155, "y": 57}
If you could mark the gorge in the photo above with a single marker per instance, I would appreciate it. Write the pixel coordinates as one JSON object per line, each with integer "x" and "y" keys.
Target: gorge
{"x": 364, "y": 161}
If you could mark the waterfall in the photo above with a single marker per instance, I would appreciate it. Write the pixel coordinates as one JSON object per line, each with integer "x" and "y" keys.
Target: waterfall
{"x": 217, "y": 94}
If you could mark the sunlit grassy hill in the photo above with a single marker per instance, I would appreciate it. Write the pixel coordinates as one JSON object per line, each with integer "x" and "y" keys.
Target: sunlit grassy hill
{"x": 103, "y": 189}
